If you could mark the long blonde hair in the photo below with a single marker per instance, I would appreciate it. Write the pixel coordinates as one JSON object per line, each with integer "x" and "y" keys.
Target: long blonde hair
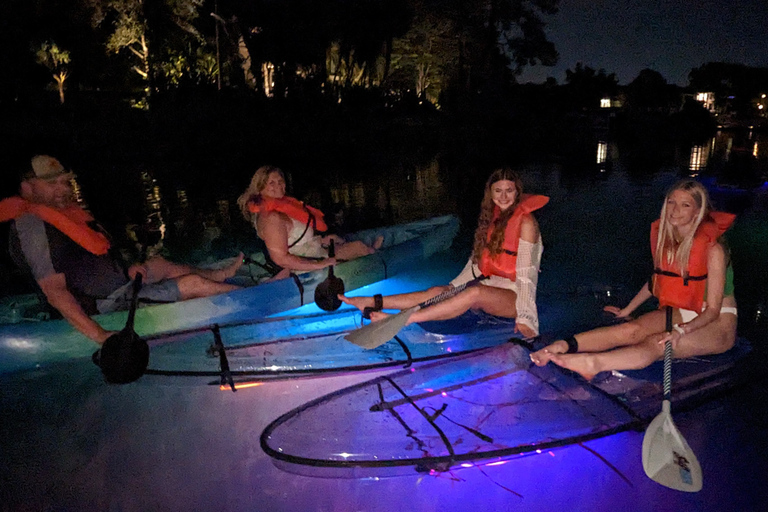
{"x": 667, "y": 247}
{"x": 258, "y": 182}
{"x": 487, "y": 207}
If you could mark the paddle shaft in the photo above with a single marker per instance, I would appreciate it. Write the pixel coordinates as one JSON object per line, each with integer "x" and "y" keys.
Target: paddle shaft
{"x": 377, "y": 333}
{"x": 668, "y": 358}
{"x": 331, "y": 254}
{"x": 134, "y": 301}
{"x": 452, "y": 292}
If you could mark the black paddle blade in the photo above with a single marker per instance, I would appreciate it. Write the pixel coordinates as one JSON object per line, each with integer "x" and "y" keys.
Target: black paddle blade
{"x": 123, "y": 358}
{"x": 327, "y": 292}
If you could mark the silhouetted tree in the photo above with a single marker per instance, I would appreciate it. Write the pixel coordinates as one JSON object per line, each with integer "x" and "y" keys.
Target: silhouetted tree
{"x": 650, "y": 92}
{"x": 585, "y": 86}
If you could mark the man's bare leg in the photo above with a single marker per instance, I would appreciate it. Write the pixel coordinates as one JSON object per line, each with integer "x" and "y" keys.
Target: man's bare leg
{"x": 192, "y": 286}
{"x": 158, "y": 268}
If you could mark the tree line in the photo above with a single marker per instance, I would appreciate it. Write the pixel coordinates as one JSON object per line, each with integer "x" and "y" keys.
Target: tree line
{"x": 426, "y": 48}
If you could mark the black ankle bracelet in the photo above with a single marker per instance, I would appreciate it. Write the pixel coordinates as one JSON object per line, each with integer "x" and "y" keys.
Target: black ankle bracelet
{"x": 573, "y": 345}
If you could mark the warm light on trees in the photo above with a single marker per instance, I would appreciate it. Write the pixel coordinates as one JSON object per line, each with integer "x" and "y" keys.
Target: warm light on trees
{"x": 55, "y": 59}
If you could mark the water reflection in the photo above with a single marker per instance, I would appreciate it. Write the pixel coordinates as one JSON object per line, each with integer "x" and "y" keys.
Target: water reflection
{"x": 602, "y": 152}
{"x": 698, "y": 160}
{"x": 733, "y": 158}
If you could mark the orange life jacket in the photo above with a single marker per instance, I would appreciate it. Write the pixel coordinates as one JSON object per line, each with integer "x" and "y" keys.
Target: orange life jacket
{"x": 72, "y": 221}
{"x": 687, "y": 292}
{"x": 290, "y": 206}
{"x": 504, "y": 264}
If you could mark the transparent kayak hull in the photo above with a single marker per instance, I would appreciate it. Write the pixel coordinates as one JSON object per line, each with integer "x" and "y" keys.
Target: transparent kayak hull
{"x": 479, "y": 408}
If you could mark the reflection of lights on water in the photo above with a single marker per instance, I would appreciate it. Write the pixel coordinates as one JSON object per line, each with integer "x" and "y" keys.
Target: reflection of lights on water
{"x": 754, "y": 149}
{"x": 698, "y": 159}
{"x": 602, "y": 152}
{"x": 241, "y": 385}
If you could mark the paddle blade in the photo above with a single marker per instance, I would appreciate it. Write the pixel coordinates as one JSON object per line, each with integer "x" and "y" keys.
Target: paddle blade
{"x": 327, "y": 293}
{"x": 378, "y": 333}
{"x": 123, "y": 357}
{"x": 667, "y": 458}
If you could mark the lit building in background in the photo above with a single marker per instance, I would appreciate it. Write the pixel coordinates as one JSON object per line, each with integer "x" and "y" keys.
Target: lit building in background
{"x": 707, "y": 99}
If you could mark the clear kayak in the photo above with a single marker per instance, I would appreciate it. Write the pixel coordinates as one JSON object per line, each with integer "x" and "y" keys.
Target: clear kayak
{"x": 489, "y": 406}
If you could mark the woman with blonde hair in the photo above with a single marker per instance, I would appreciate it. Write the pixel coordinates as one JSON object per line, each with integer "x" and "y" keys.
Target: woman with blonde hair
{"x": 507, "y": 250}
{"x": 289, "y": 228}
{"x": 692, "y": 275}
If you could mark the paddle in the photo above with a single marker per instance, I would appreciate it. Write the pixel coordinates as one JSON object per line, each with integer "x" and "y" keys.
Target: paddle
{"x": 327, "y": 292}
{"x": 377, "y": 333}
{"x": 124, "y": 356}
{"x": 667, "y": 458}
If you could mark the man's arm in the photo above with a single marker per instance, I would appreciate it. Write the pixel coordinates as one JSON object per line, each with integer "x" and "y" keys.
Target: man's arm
{"x": 55, "y": 289}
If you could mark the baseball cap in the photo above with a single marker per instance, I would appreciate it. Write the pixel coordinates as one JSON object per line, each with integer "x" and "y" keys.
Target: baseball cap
{"x": 46, "y": 167}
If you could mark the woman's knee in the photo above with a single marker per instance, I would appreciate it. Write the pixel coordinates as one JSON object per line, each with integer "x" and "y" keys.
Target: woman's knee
{"x": 724, "y": 342}
{"x": 631, "y": 331}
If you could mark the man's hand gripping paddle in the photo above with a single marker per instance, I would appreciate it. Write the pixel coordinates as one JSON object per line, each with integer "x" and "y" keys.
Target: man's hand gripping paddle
{"x": 667, "y": 458}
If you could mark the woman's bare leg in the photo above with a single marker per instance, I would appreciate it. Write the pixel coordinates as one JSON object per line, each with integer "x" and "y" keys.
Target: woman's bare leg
{"x": 606, "y": 338}
{"x": 494, "y": 301}
{"x": 399, "y": 301}
{"x": 356, "y": 249}
{"x": 630, "y": 357}
{"x": 714, "y": 338}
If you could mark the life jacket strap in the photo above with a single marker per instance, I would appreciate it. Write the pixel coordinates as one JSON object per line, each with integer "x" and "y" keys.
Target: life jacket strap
{"x": 685, "y": 279}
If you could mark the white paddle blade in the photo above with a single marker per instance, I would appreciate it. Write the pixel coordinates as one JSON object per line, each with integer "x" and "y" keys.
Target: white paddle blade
{"x": 378, "y": 333}
{"x": 667, "y": 458}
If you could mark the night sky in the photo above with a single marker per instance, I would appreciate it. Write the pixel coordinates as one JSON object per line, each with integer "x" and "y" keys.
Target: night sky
{"x": 669, "y": 36}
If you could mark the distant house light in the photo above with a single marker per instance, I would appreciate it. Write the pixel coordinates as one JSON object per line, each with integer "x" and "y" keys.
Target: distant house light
{"x": 707, "y": 99}
{"x": 605, "y": 103}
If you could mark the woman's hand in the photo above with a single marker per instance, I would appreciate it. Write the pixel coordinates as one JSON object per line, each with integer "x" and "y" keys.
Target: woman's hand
{"x": 673, "y": 336}
{"x": 526, "y": 331}
{"x": 327, "y": 262}
{"x": 618, "y": 313}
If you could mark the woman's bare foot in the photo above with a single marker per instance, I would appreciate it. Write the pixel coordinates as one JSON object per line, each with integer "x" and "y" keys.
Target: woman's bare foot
{"x": 359, "y": 302}
{"x": 543, "y": 356}
{"x": 230, "y": 270}
{"x": 583, "y": 364}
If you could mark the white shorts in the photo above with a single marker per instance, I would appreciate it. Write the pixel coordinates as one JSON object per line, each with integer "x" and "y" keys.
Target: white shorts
{"x": 689, "y": 315}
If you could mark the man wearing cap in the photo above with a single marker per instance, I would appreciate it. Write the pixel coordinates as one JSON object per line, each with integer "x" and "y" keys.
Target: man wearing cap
{"x": 70, "y": 257}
